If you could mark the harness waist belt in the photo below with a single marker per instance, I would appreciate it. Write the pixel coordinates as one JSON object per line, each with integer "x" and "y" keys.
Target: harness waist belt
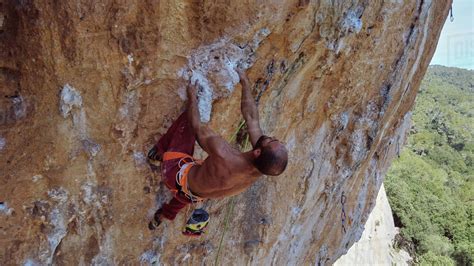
{"x": 182, "y": 174}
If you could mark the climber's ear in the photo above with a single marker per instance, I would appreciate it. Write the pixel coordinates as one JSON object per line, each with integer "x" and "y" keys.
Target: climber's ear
{"x": 256, "y": 152}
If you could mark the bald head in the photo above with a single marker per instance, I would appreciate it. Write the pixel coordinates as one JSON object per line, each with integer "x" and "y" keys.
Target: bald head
{"x": 271, "y": 156}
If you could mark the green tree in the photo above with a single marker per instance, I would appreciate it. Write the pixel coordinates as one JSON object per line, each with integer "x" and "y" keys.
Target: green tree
{"x": 431, "y": 186}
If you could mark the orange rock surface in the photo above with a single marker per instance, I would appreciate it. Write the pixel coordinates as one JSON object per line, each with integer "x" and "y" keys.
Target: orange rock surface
{"x": 87, "y": 87}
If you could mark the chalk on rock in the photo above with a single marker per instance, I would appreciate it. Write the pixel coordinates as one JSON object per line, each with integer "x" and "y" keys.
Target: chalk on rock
{"x": 70, "y": 98}
{"x": 4, "y": 209}
{"x": 30, "y": 262}
{"x": 36, "y": 178}
{"x": 91, "y": 147}
{"x": 213, "y": 67}
{"x": 150, "y": 257}
{"x": 3, "y": 143}
{"x": 19, "y": 107}
{"x": 352, "y": 22}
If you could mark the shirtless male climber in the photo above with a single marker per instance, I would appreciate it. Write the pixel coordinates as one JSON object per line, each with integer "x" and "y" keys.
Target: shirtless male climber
{"x": 226, "y": 171}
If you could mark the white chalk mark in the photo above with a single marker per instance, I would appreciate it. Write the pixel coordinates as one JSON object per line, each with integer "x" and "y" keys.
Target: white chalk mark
{"x": 213, "y": 67}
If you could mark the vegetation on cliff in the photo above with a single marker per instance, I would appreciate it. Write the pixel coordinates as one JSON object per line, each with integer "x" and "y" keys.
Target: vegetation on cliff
{"x": 431, "y": 187}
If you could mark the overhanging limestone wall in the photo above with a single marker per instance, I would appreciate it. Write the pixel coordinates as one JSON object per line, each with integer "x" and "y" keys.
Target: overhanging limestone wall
{"x": 87, "y": 87}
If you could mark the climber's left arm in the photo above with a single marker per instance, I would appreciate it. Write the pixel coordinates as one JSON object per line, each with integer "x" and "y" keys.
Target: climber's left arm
{"x": 206, "y": 137}
{"x": 249, "y": 109}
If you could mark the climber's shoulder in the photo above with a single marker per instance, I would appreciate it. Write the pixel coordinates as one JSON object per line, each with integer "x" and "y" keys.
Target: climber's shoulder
{"x": 215, "y": 145}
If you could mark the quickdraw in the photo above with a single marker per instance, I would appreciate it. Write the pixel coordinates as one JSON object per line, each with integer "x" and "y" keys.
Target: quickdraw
{"x": 343, "y": 213}
{"x": 268, "y": 78}
{"x": 451, "y": 16}
{"x": 398, "y": 147}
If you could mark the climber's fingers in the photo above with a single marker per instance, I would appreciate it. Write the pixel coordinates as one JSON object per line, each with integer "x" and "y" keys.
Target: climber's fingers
{"x": 192, "y": 84}
{"x": 243, "y": 77}
{"x": 191, "y": 90}
{"x": 239, "y": 71}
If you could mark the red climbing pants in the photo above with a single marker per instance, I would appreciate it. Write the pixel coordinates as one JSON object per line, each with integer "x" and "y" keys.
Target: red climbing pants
{"x": 180, "y": 137}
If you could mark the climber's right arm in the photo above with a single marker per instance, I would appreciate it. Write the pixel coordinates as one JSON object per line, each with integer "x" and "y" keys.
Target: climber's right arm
{"x": 206, "y": 137}
{"x": 249, "y": 109}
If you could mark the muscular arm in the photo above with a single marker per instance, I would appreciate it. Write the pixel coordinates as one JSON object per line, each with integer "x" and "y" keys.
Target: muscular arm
{"x": 249, "y": 109}
{"x": 207, "y": 139}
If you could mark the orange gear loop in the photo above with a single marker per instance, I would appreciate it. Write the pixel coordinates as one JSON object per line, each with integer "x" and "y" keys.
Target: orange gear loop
{"x": 182, "y": 174}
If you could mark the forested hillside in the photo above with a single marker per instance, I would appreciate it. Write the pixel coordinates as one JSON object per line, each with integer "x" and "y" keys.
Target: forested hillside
{"x": 430, "y": 187}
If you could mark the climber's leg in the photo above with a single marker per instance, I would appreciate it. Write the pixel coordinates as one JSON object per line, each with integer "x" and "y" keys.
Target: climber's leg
{"x": 171, "y": 209}
{"x": 168, "y": 211}
{"x": 179, "y": 137}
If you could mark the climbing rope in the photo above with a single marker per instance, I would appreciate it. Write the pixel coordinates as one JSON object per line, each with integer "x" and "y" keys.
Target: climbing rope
{"x": 230, "y": 205}
{"x": 229, "y": 211}
{"x": 246, "y": 145}
{"x": 343, "y": 213}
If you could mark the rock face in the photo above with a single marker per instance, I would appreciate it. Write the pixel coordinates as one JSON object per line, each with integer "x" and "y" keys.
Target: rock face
{"x": 375, "y": 247}
{"x": 88, "y": 86}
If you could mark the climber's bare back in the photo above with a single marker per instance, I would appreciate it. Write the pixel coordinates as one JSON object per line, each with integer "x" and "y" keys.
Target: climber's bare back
{"x": 225, "y": 172}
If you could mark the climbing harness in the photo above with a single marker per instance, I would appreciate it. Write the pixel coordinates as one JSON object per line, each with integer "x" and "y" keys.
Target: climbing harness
{"x": 343, "y": 213}
{"x": 182, "y": 178}
{"x": 197, "y": 223}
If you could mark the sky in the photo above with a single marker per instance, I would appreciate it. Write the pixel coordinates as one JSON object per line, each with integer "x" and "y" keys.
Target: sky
{"x": 456, "y": 43}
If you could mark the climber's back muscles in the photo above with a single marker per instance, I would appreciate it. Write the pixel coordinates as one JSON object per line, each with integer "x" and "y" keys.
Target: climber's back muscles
{"x": 226, "y": 171}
